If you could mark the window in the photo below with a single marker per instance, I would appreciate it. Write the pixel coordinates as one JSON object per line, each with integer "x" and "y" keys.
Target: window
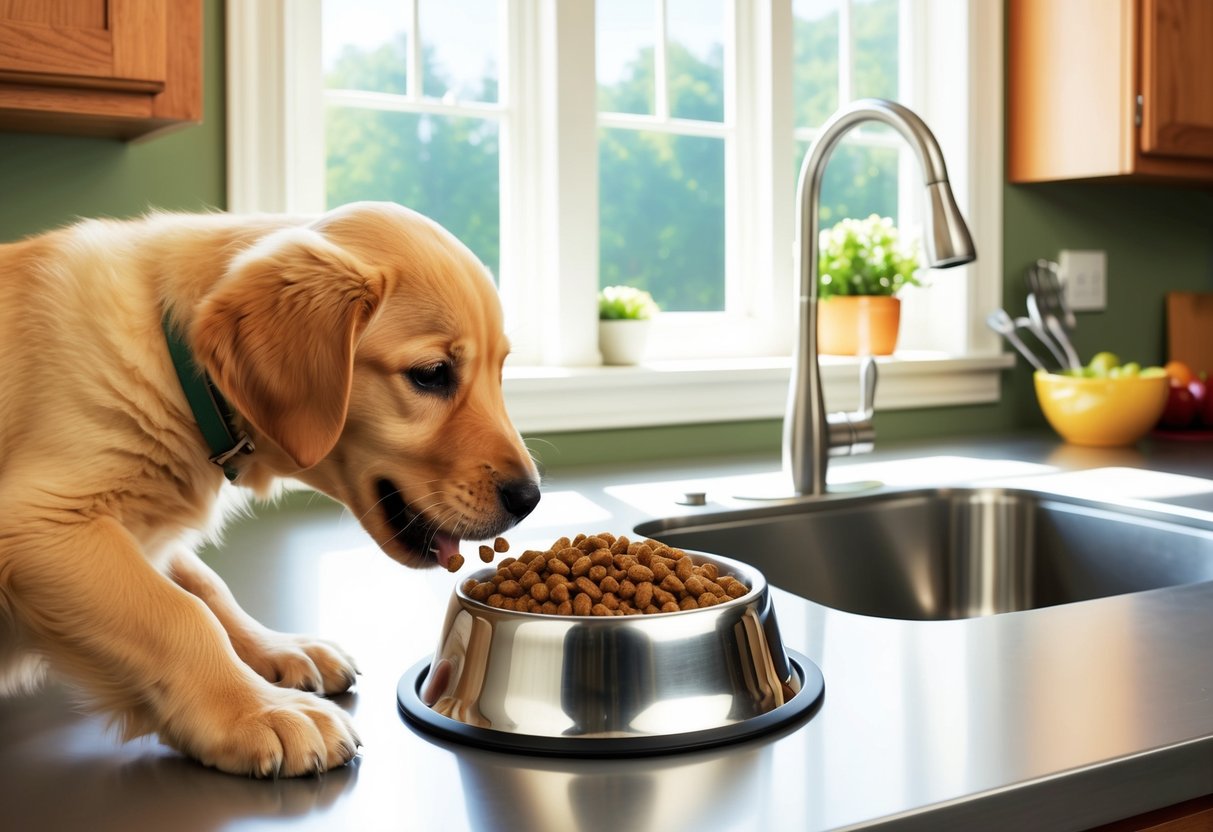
{"x": 656, "y": 143}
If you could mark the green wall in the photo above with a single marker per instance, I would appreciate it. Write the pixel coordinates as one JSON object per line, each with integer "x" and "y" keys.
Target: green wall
{"x": 1156, "y": 239}
{"x": 48, "y": 181}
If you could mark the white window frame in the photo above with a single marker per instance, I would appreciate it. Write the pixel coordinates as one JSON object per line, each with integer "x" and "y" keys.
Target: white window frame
{"x": 272, "y": 48}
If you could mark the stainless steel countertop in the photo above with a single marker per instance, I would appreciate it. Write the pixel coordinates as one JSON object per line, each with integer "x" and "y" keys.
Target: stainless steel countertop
{"x": 1061, "y": 718}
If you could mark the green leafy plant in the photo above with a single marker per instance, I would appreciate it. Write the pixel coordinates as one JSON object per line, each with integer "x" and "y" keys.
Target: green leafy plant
{"x": 625, "y": 303}
{"x": 865, "y": 257}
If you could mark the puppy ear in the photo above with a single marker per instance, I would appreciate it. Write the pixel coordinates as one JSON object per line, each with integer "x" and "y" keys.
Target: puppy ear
{"x": 277, "y": 335}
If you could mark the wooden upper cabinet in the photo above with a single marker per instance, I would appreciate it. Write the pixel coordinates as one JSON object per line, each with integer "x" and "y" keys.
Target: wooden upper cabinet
{"x": 1110, "y": 89}
{"x": 114, "y": 68}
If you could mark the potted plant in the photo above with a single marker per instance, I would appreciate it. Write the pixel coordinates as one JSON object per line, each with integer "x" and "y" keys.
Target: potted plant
{"x": 624, "y": 316}
{"x": 863, "y": 264}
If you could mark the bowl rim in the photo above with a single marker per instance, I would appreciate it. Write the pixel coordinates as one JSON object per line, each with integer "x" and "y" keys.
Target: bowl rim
{"x": 757, "y": 584}
{"x": 1060, "y": 378}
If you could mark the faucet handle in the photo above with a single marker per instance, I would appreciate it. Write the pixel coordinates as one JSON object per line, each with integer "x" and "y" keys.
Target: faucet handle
{"x": 854, "y": 432}
{"x": 867, "y": 387}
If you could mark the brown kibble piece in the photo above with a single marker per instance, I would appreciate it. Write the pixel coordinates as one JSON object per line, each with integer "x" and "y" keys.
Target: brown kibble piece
{"x": 582, "y": 604}
{"x": 565, "y": 607}
{"x": 510, "y": 589}
{"x": 580, "y": 566}
{"x": 640, "y": 574}
{"x": 501, "y": 545}
{"x": 540, "y": 592}
{"x": 558, "y": 566}
{"x": 683, "y": 568}
{"x": 670, "y": 583}
{"x": 589, "y": 588}
{"x": 644, "y": 594}
{"x": 560, "y": 594}
{"x": 599, "y": 609}
{"x": 708, "y": 600}
{"x": 455, "y": 563}
{"x": 688, "y": 603}
{"x": 670, "y": 606}
{"x": 486, "y": 554}
{"x": 597, "y": 573}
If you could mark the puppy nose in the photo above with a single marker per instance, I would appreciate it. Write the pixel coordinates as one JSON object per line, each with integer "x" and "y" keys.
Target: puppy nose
{"x": 519, "y": 497}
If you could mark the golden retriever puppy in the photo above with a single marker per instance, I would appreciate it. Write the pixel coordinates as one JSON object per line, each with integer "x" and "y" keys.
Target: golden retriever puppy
{"x": 359, "y": 352}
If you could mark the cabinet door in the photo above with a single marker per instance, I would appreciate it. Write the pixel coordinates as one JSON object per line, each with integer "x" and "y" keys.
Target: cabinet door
{"x": 101, "y": 44}
{"x": 1177, "y": 78}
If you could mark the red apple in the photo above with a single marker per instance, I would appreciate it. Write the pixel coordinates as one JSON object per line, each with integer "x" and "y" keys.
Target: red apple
{"x": 1199, "y": 392}
{"x": 1206, "y": 411}
{"x": 1181, "y": 408}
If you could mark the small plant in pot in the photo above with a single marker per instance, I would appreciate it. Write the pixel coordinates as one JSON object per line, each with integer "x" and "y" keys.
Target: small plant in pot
{"x": 624, "y": 316}
{"x": 862, "y": 265}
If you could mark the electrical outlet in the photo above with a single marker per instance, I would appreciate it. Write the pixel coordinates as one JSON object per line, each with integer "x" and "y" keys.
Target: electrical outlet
{"x": 1083, "y": 276}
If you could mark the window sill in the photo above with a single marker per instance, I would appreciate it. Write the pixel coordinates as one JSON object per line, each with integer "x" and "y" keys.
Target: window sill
{"x": 553, "y": 399}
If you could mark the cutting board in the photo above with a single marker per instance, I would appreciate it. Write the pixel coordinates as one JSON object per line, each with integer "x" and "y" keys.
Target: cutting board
{"x": 1190, "y": 329}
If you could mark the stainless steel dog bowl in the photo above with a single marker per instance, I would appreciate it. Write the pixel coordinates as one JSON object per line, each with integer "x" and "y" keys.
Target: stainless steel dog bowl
{"x": 608, "y": 686}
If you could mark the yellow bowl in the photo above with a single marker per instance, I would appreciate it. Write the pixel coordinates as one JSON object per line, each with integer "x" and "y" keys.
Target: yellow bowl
{"x": 1101, "y": 412}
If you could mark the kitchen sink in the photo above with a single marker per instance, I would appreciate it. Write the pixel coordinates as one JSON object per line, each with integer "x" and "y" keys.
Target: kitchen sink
{"x": 946, "y": 553}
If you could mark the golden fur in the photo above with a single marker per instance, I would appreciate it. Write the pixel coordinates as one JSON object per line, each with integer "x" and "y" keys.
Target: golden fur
{"x": 362, "y": 352}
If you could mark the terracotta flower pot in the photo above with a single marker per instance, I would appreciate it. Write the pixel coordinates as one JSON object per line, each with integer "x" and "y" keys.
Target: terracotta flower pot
{"x": 858, "y": 325}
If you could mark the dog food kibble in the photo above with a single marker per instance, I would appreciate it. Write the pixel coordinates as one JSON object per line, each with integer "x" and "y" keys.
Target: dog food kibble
{"x": 601, "y": 574}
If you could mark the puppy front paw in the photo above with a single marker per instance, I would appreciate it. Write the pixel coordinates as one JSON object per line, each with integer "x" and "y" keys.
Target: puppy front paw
{"x": 299, "y": 662}
{"x": 284, "y": 733}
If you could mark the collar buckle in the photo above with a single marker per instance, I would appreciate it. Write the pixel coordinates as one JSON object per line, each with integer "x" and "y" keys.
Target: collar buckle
{"x": 243, "y": 445}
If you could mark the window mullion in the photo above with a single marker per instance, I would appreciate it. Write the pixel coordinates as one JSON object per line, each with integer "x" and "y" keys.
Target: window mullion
{"x": 661, "y": 86}
{"x": 565, "y": 288}
{"x": 846, "y": 43}
{"x": 415, "y": 81}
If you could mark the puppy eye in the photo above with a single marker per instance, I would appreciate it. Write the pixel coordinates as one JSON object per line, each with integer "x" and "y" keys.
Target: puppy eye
{"x": 433, "y": 378}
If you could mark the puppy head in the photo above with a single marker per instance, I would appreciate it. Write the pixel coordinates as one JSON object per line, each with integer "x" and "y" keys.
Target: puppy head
{"x": 367, "y": 349}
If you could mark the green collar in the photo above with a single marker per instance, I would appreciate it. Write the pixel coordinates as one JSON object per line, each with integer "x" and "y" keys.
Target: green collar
{"x": 211, "y": 410}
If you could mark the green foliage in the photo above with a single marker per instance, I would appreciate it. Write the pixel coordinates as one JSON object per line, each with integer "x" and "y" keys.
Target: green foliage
{"x": 865, "y": 257}
{"x": 625, "y": 303}
{"x": 662, "y": 197}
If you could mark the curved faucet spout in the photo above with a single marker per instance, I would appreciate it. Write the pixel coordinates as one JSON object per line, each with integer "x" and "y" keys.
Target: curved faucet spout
{"x": 947, "y": 242}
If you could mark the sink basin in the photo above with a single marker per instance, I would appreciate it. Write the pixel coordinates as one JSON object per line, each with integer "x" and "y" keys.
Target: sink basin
{"x": 929, "y": 554}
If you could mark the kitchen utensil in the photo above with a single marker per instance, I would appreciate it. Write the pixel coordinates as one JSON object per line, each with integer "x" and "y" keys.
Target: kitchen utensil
{"x": 610, "y": 685}
{"x": 1052, "y": 293}
{"x": 1063, "y": 339}
{"x": 1036, "y": 324}
{"x": 1001, "y": 322}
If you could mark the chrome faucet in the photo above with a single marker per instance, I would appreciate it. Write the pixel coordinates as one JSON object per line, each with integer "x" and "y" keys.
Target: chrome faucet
{"x": 810, "y": 436}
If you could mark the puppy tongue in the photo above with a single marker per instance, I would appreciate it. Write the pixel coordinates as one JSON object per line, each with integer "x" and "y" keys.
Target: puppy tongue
{"x": 442, "y": 547}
